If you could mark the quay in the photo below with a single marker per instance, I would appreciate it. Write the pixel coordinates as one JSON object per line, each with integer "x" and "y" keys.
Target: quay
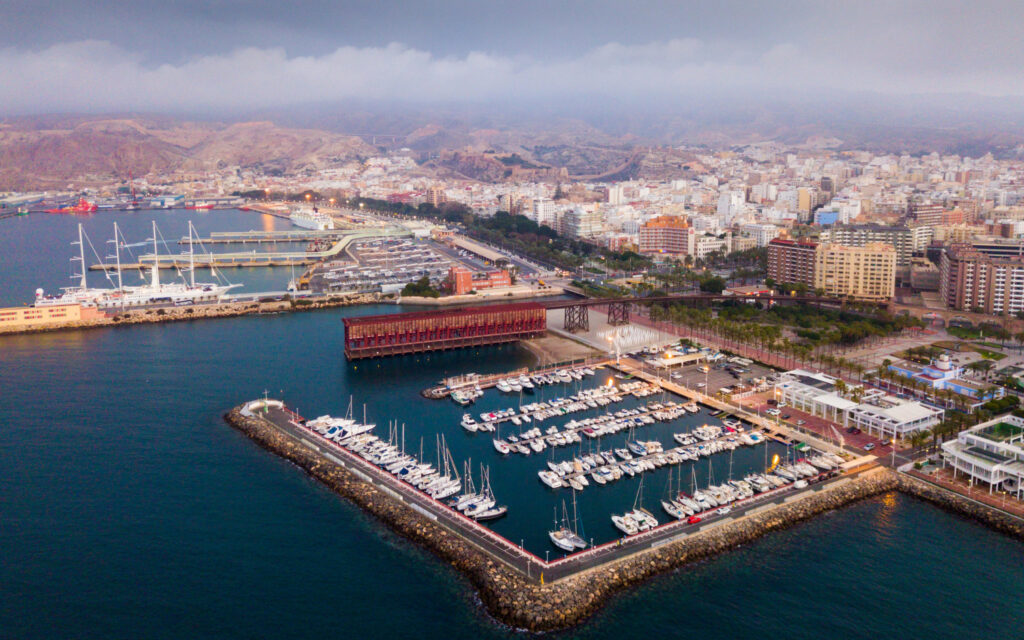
{"x": 517, "y": 587}
{"x": 257, "y": 259}
{"x": 259, "y": 237}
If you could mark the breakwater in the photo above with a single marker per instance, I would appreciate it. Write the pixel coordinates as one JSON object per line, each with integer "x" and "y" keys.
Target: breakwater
{"x": 526, "y": 602}
{"x": 197, "y": 312}
{"x": 962, "y": 505}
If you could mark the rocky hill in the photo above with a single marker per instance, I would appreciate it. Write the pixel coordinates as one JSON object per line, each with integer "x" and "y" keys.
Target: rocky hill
{"x": 51, "y": 153}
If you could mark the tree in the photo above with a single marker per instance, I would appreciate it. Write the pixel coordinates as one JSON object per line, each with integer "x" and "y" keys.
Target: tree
{"x": 713, "y": 284}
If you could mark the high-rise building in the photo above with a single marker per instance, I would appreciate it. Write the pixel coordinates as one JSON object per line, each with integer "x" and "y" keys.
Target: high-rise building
{"x": 666, "y": 234}
{"x": 543, "y": 211}
{"x": 616, "y": 195}
{"x": 791, "y": 261}
{"x": 969, "y": 279}
{"x": 582, "y": 223}
{"x": 858, "y": 235}
{"x": 863, "y": 273}
{"x": 828, "y": 186}
{"x": 436, "y": 196}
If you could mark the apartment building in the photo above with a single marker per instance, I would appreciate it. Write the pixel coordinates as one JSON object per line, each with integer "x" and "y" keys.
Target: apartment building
{"x": 666, "y": 234}
{"x": 857, "y": 235}
{"x": 791, "y": 261}
{"x": 971, "y": 279}
{"x": 864, "y": 273}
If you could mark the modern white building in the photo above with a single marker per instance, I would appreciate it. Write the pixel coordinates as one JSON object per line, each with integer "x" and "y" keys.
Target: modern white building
{"x": 992, "y": 453}
{"x": 876, "y": 412}
{"x": 762, "y": 233}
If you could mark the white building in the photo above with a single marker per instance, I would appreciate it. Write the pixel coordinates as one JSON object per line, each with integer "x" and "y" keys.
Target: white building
{"x": 991, "y": 453}
{"x": 543, "y": 211}
{"x": 876, "y": 413}
{"x": 616, "y": 195}
{"x": 730, "y": 205}
{"x": 762, "y": 233}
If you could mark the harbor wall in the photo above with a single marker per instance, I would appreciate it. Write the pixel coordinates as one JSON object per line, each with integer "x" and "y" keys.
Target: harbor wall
{"x": 962, "y": 505}
{"x": 522, "y": 603}
{"x": 196, "y": 312}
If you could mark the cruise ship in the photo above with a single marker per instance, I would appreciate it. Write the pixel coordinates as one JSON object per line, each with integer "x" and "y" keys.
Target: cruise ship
{"x": 311, "y": 218}
{"x": 154, "y": 293}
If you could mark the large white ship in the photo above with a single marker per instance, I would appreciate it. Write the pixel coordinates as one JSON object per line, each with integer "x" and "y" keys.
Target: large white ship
{"x": 154, "y": 293}
{"x": 311, "y": 218}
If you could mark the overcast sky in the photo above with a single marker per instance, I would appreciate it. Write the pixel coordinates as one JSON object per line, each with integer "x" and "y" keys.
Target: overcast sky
{"x": 66, "y": 56}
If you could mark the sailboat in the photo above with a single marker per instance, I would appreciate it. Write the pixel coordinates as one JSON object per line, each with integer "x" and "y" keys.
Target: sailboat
{"x": 154, "y": 293}
{"x": 565, "y": 537}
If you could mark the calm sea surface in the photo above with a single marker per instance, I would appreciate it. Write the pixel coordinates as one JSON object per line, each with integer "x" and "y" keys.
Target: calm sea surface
{"x": 129, "y": 509}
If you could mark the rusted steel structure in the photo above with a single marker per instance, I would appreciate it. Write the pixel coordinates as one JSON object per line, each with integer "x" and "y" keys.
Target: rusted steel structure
{"x": 618, "y": 313}
{"x": 423, "y": 331}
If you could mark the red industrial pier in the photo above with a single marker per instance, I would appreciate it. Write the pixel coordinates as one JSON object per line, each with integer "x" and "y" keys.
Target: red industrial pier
{"x": 395, "y": 334}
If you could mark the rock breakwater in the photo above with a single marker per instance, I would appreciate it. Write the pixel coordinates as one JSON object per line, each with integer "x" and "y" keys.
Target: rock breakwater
{"x": 519, "y": 601}
{"x": 962, "y": 505}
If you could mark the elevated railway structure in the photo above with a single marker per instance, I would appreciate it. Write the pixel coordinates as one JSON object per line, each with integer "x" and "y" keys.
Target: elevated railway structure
{"x": 618, "y": 309}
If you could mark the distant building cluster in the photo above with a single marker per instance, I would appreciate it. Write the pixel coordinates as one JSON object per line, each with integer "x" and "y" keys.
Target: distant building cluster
{"x": 851, "y": 223}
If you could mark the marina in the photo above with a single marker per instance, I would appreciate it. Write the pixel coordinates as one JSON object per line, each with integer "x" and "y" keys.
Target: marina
{"x": 624, "y": 433}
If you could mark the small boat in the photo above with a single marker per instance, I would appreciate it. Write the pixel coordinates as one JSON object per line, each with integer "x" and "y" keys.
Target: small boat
{"x": 502, "y": 446}
{"x": 625, "y": 524}
{"x": 491, "y": 514}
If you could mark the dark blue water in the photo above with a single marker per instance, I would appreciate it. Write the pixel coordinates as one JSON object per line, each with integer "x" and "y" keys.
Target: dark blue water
{"x": 128, "y": 508}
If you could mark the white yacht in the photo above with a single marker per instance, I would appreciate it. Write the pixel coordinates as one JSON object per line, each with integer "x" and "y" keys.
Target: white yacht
{"x": 311, "y": 218}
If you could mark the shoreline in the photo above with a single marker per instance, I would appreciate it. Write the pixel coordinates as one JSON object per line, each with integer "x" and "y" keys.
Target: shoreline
{"x": 509, "y": 596}
{"x": 225, "y": 310}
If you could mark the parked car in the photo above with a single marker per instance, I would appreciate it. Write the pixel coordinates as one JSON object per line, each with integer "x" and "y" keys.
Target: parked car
{"x": 694, "y": 519}
{"x": 786, "y": 416}
{"x": 886, "y": 442}
{"x": 869, "y": 446}
{"x": 853, "y": 430}
{"x": 801, "y": 423}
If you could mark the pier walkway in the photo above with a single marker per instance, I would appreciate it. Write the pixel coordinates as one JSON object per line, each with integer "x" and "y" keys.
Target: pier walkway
{"x": 255, "y": 258}
{"x": 258, "y": 237}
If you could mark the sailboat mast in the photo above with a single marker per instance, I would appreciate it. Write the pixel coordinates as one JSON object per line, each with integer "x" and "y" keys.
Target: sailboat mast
{"x": 191, "y": 257}
{"x": 117, "y": 258}
{"x": 81, "y": 253}
{"x": 156, "y": 260}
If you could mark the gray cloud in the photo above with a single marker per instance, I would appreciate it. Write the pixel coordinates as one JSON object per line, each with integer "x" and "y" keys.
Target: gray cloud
{"x": 93, "y": 75}
{"x": 192, "y": 55}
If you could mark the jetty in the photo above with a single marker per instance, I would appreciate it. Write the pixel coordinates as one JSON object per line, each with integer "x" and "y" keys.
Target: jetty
{"x": 257, "y": 258}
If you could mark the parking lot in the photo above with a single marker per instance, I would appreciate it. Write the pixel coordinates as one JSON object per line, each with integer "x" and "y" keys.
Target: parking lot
{"x": 717, "y": 377}
{"x": 381, "y": 265}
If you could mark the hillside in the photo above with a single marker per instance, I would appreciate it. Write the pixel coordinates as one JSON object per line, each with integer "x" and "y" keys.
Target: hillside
{"x": 50, "y": 153}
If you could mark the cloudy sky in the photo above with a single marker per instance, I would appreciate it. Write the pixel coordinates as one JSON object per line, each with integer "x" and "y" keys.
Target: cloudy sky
{"x": 67, "y": 56}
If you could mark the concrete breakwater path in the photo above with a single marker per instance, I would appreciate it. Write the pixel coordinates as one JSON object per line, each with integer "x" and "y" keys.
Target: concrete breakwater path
{"x": 518, "y": 588}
